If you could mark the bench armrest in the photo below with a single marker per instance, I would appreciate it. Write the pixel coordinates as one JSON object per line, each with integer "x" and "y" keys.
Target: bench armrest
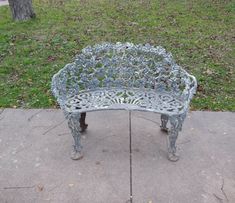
{"x": 58, "y": 88}
{"x": 190, "y": 89}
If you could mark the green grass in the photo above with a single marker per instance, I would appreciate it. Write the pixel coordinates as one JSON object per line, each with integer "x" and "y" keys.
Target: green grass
{"x": 200, "y": 35}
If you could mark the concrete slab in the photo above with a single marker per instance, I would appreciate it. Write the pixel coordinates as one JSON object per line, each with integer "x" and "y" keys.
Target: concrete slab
{"x": 206, "y": 170}
{"x": 35, "y": 164}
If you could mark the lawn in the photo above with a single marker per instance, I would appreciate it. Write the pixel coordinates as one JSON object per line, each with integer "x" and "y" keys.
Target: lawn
{"x": 200, "y": 35}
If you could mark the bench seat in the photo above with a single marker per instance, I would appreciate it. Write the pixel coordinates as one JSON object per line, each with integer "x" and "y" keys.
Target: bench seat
{"x": 134, "y": 99}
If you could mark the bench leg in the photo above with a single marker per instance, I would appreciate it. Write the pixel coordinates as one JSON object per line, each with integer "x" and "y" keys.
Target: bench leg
{"x": 82, "y": 121}
{"x": 164, "y": 120}
{"x": 176, "y": 124}
{"x": 73, "y": 123}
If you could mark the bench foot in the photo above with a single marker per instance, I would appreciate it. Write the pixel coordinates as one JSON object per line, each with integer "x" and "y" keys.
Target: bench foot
{"x": 164, "y": 120}
{"x": 76, "y": 155}
{"x": 173, "y": 157}
{"x": 176, "y": 126}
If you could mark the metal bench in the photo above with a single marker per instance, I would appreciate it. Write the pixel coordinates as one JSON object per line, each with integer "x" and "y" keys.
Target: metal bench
{"x": 124, "y": 76}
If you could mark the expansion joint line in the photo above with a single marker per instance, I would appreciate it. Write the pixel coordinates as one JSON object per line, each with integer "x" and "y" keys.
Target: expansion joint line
{"x": 130, "y": 147}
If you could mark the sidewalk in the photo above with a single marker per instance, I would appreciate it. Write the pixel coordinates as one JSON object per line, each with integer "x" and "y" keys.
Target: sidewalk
{"x": 35, "y": 165}
{"x": 3, "y": 2}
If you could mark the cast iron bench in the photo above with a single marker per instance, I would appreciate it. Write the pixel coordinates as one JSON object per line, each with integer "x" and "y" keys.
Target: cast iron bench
{"x": 124, "y": 76}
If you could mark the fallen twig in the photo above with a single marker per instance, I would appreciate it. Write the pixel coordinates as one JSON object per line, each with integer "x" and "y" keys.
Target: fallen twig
{"x": 53, "y": 127}
{"x": 18, "y": 187}
{"x": 147, "y": 119}
{"x": 220, "y": 199}
{"x": 22, "y": 149}
{"x": 222, "y": 189}
{"x": 187, "y": 141}
{"x": 31, "y": 117}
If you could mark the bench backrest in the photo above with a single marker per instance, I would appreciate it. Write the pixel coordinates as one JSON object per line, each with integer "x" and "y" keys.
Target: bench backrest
{"x": 123, "y": 66}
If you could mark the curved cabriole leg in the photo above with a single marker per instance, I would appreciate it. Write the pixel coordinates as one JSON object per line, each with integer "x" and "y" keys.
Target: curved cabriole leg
{"x": 176, "y": 124}
{"x": 82, "y": 121}
{"x": 74, "y": 125}
{"x": 164, "y": 120}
